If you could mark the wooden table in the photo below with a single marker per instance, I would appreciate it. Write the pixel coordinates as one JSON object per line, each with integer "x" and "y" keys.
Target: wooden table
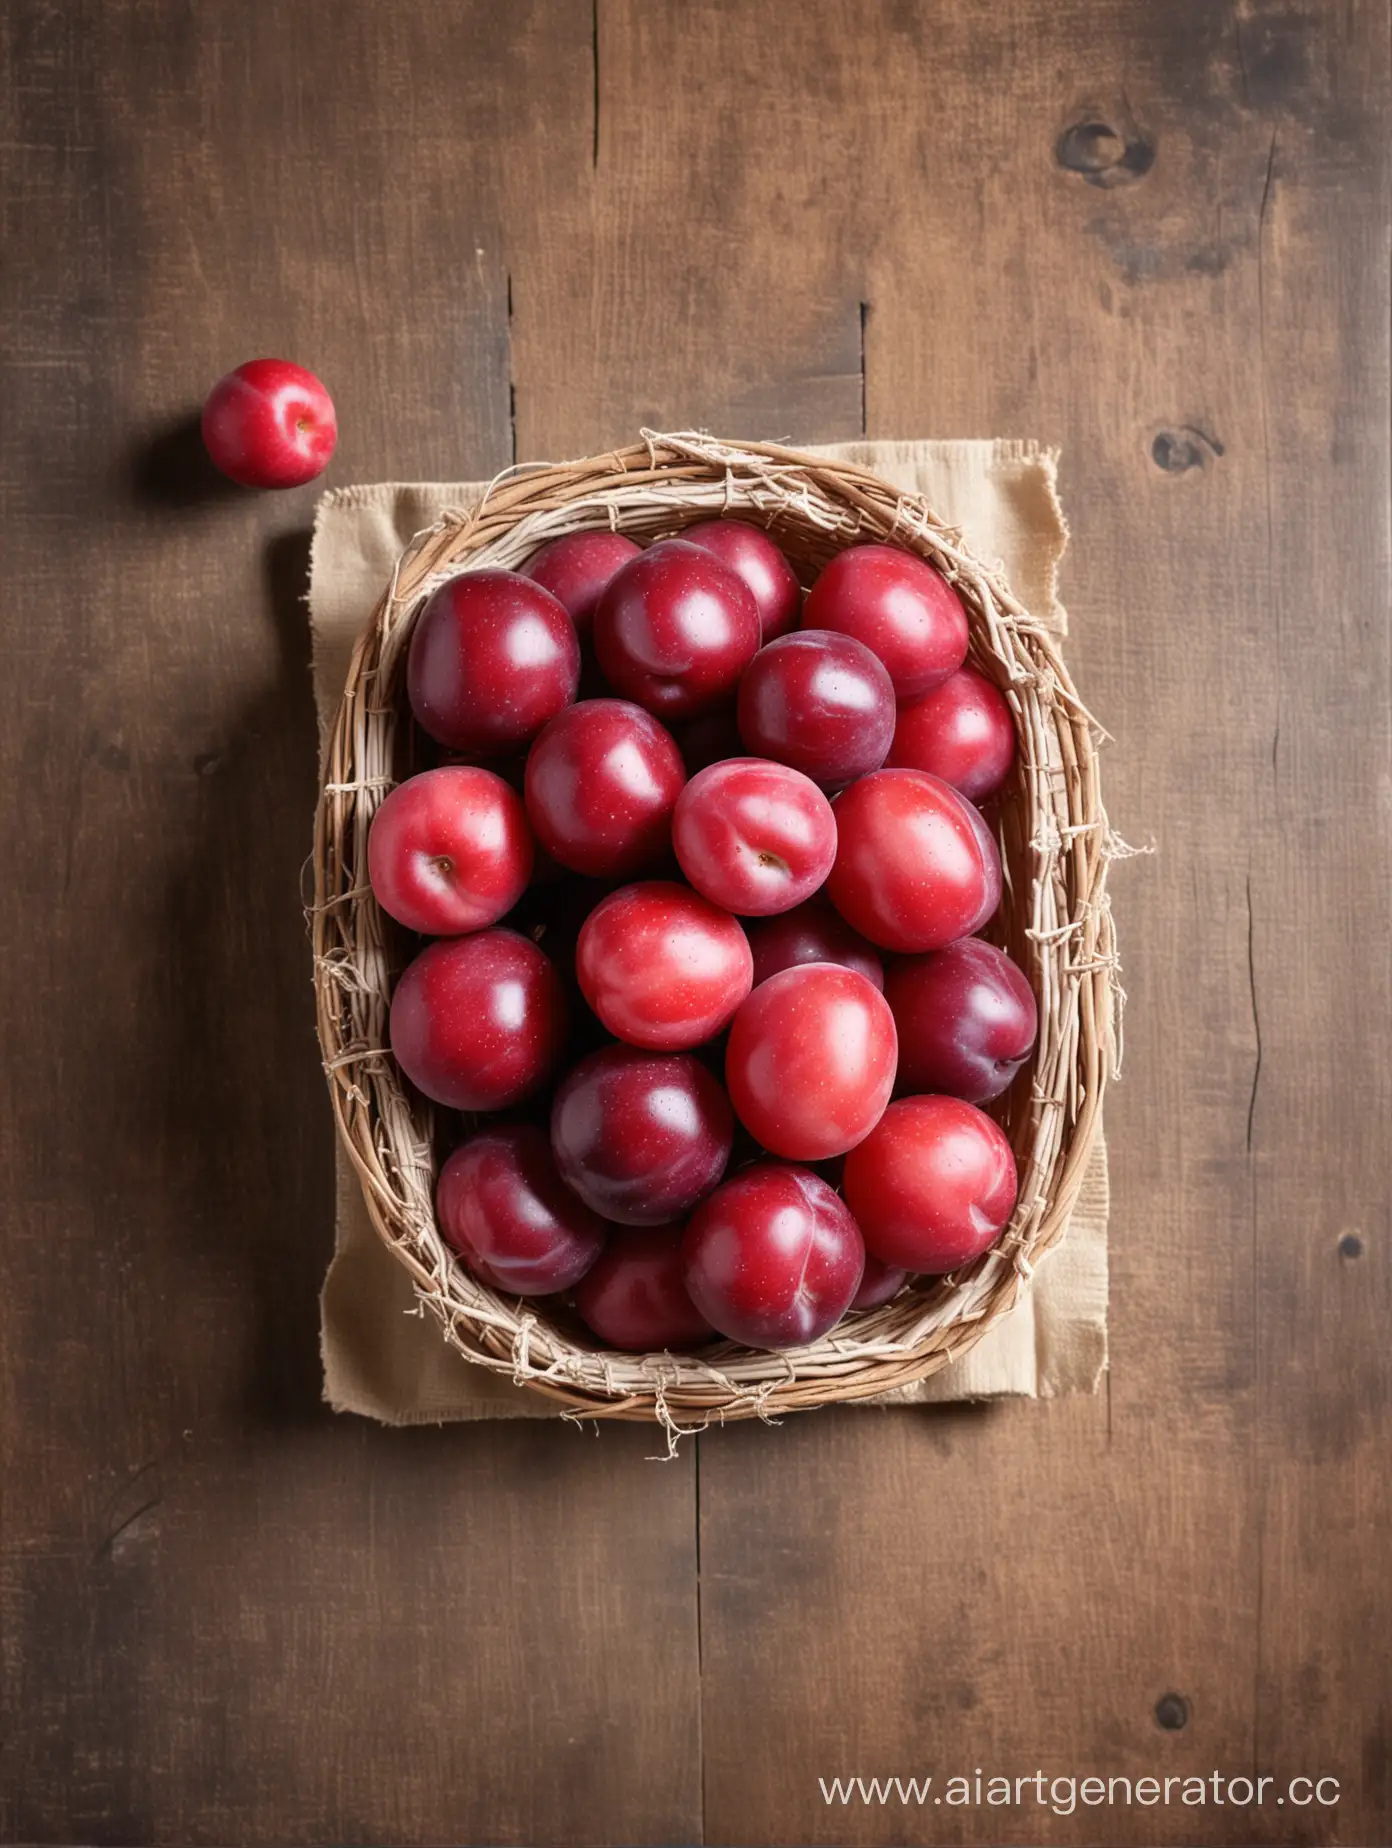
{"x": 1155, "y": 234}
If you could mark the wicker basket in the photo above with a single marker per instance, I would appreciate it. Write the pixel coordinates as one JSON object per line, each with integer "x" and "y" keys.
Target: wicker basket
{"x": 1054, "y": 919}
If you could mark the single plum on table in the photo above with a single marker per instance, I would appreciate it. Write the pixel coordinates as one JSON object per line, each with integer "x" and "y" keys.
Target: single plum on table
{"x": 820, "y": 702}
{"x": 675, "y": 629}
{"x": 492, "y": 658}
{"x": 449, "y": 851}
{"x": 752, "y": 555}
{"x": 916, "y": 866}
{"x": 502, "y": 1205}
{"x": 962, "y": 731}
{"x": 932, "y": 1186}
{"x": 755, "y": 837}
{"x": 641, "y": 1136}
{"x": 602, "y": 781}
{"x": 905, "y": 612}
{"x": 811, "y": 932}
{"x": 633, "y": 1296}
{"x": 773, "y": 1258}
{"x": 478, "y": 1022}
{"x": 967, "y": 1020}
{"x": 661, "y": 966}
{"x": 810, "y": 1061}
{"x": 270, "y": 424}
{"x": 577, "y": 569}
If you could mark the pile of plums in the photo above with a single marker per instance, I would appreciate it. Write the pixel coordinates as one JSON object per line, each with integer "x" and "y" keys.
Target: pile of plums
{"x": 703, "y": 869}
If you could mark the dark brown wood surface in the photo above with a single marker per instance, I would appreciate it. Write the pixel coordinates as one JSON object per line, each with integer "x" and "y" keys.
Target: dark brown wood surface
{"x": 1154, "y": 232}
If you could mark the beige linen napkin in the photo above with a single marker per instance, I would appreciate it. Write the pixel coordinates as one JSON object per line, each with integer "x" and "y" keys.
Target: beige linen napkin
{"x": 384, "y": 1355}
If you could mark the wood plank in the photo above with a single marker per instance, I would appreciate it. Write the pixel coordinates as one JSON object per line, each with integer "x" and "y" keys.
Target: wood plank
{"x": 1199, "y": 317}
{"x": 702, "y": 273}
{"x": 1321, "y": 967}
{"x": 226, "y": 1616}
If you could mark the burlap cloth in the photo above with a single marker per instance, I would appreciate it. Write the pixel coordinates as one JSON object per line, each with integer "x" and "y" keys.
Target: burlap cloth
{"x": 384, "y": 1356}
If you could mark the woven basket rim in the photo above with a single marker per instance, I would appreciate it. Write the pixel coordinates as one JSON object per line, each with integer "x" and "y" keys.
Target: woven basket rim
{"x": 1056, "y": 847}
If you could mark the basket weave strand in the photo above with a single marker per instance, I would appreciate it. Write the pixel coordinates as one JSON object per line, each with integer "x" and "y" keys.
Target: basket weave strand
{"x": 1055, "y": 920}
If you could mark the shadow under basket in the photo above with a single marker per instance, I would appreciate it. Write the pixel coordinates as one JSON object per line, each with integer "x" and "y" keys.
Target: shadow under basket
{"x": 1054, "y": 919}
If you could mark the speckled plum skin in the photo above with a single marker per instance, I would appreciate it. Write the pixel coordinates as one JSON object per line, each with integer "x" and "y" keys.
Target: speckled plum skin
{"x": 675, "y": 630}
{"x": 504, "y": 1208}
{"x": 478, "y": 1022}
{"x": 641, "y": 1136}
{"x": 932, "y": 1185}
{"x": 661, "y": 966}
{"x": 492, "y": 658}
{"x": 633, "y": 1296}
{"x": 962, "y": 731}
{"x": 449, "y": 851}
{"x": 755, "y": 837}
{"x": 577, "y": 569}
{"x": 810, "y": 1061}
{"x": 773, "y": 1258}
{"x": 820, "y": 702}
{"x": 905, "y": 612}
{"x": 752, "y": 555}
{"x": 601, "y": 783}
{"x": 811, "y": 932}
{"x": 916, "y": 866}
{"x": 967, "y": 1020}
{"x": 879, "y": 1283}
{"x": 270, "y": 424}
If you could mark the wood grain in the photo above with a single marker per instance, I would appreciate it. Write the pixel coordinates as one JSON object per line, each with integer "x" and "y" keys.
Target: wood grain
{"x": 1154, "y": 234}
{"x": 225, "y": 1616}
{"x": 1206, "y": 338}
